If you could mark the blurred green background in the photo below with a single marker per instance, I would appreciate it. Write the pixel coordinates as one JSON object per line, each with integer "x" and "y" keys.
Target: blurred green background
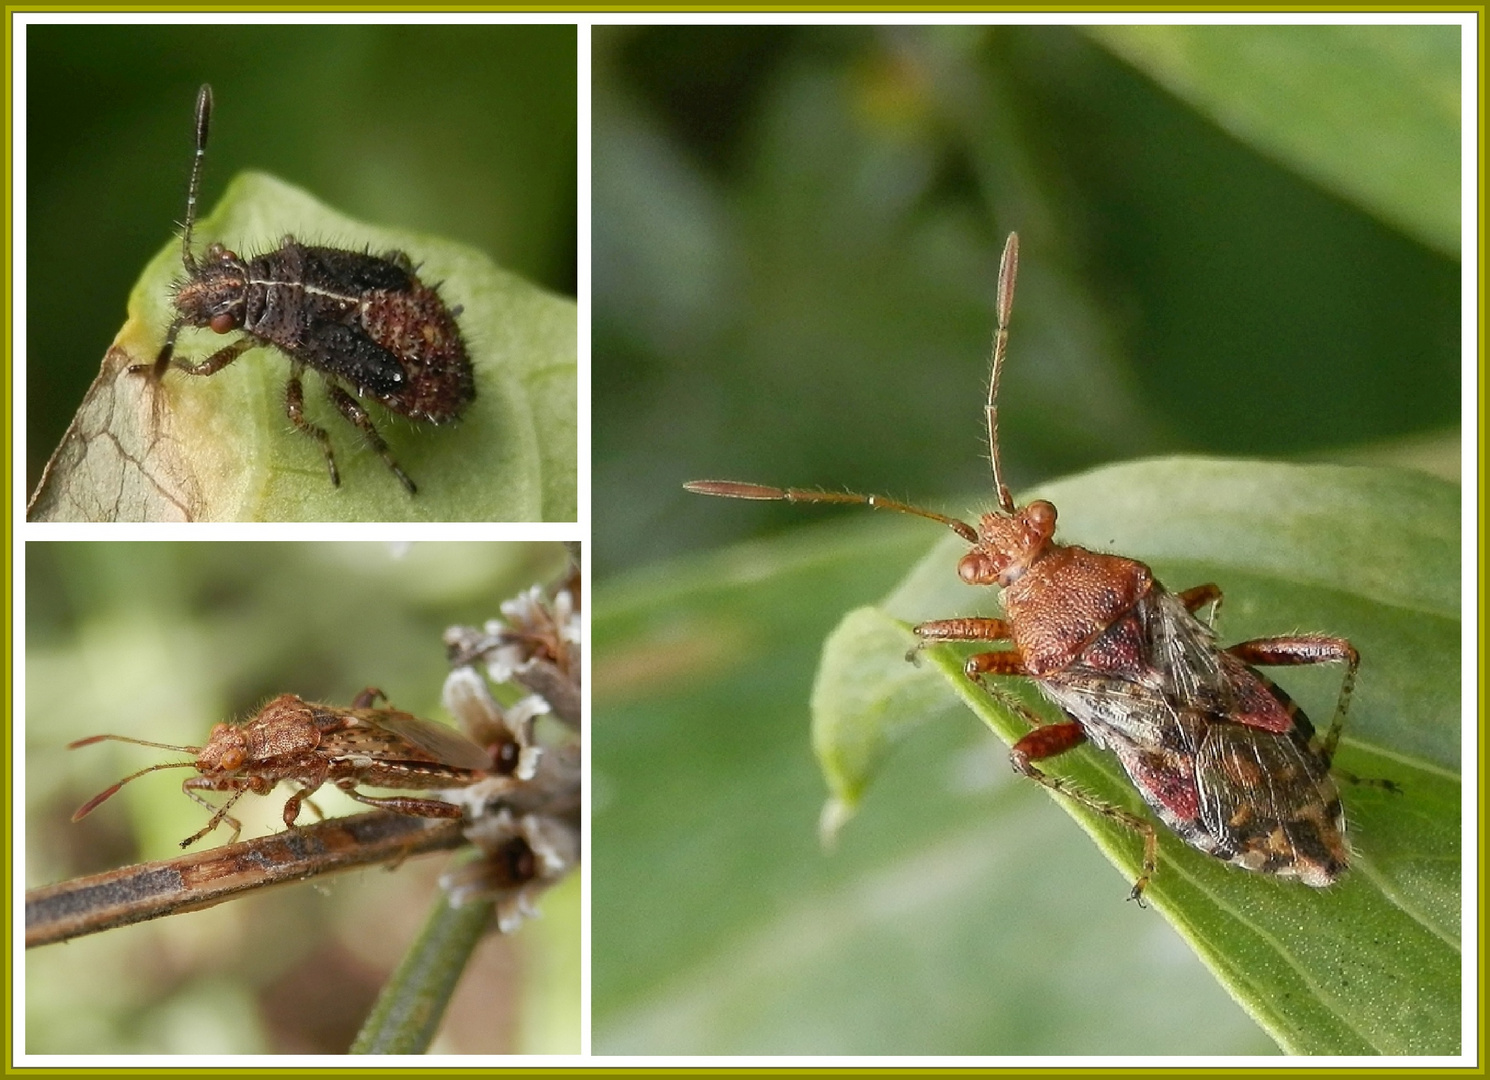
{"x": 160, "y": 641}
{"x": 466, "y": 132}
{"x": 1237, "y": 241}
{"x": 797, "y": 231}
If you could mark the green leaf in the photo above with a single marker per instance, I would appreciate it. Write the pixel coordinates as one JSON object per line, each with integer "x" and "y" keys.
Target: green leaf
{"x": 862, "y": 706}
{"x": 957, "y": 899}
{"x": 221, "y": 448}
{"x": 1368, "y": 112}
{"x": 1371, "y": 965}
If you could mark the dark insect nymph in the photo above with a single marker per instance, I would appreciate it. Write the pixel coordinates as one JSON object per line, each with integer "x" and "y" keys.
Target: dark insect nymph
{"x": 365, "y": 322}
{"x": 1222, "y": 756}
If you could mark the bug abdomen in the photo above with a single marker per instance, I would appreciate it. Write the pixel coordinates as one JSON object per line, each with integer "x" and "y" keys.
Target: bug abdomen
{"x": 366, "y": 320}
{"x": 416, "y": 327}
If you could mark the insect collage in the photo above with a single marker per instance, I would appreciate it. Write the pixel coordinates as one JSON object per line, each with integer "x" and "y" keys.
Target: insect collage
{"x": 495, "y": 722}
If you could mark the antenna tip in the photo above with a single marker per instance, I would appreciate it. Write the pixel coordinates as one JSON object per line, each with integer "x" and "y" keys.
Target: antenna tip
{"x": 732, "y": 489}
{"x": 1008, "y": 270}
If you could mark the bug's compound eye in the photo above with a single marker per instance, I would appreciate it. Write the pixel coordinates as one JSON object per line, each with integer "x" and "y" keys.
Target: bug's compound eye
{"x": 1041, "y": 516}
{"x": 976, "y": 568}
{"x": 223, "y": 323}
{"x": 233, "y": 758}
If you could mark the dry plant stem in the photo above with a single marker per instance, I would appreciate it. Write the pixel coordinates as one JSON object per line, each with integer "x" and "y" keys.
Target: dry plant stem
{"x": 150, "y": 890}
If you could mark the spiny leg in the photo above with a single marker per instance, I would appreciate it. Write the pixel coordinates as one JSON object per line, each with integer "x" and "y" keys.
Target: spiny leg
{"x": 217, "y": 361}
{"x": 210, "y": 366}
{"x": 973, "y": 628}
{"x": 295, "y": 410}
{"x": 357, "y": 416}
{"x": 219, "y": 813}
{"x": 162, "y": 358}
{"x": 979, "y": 666}
{"x": 1307, "y": 649}
{"x": 1046, "y": 741}
{"x": 403, "y": 804}
{"x": 1052, "y": 739}
{"x": 1201, "y": 595}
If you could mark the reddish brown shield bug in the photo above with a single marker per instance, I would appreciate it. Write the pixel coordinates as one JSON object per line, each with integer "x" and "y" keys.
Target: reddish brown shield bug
{"x": 310, "y": 745}
{"x": 1221, "y": 754}
{"x": 365, "y": 322}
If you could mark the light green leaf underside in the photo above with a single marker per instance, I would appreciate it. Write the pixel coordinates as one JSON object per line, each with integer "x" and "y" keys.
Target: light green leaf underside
{"x": 1371, "y": 965}
{"x": 959, "y": 915}
{"x": 222, "y": 449}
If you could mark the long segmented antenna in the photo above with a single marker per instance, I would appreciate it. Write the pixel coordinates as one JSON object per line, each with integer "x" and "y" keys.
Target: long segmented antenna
{"x": 733, "y": 489}
{"x": 93, "y": 803}
{"x": 1008, "y": 270}
{"x": 204, "y": 118}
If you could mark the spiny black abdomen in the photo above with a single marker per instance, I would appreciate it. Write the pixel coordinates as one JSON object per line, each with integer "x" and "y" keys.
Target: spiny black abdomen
{"x": 366, "y": 320}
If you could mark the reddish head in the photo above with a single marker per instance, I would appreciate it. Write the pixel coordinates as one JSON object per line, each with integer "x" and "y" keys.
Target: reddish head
{"x": 214, "y": 296}
{"x": 1008, "y": 544}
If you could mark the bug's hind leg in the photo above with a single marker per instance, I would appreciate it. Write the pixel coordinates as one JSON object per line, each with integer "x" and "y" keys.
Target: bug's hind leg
{"x": 1046, "y": 740}
{"x": 1198, "y": 597}
{"x": 357, "y": 416}
{"x": 295, "y": 410}
{"x": 1052, "y": 739}
{"x": 1313, "y": 649}
{"x": 405, "y": 804}
{"x": 1307, "y": 649}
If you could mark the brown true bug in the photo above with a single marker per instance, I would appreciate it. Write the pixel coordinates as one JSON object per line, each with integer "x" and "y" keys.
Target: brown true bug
{"x": 310, "y": 745}
{"x": 365, "y": 322}
{"x": 1221, "y": 754}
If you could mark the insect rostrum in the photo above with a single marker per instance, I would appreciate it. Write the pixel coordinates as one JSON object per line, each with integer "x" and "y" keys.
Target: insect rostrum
{"x": 1220, "y": 754}
{"x": 365, "y": 322}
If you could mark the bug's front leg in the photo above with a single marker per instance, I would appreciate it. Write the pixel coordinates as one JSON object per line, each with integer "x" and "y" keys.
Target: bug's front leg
{"x": 213, "y": 364}
{"x": 971, "y": 628}
{"x": 162, "y": 358}
{"x": 1045, "y": 740}
{"x": 1053, "y": 739}
{"x": 192, "y": 784}
{"x": 980, "y": 666}
{"x": 1307, "y": 649}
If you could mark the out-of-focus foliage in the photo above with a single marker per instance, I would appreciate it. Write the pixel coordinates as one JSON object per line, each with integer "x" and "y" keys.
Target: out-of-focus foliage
{"x": 797, "y": 232}
{"x": 465, "y": 132}
{"x": 160, "y": 641}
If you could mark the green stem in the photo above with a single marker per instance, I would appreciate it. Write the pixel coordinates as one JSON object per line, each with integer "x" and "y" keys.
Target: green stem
{"x": 408, "y": 1011}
